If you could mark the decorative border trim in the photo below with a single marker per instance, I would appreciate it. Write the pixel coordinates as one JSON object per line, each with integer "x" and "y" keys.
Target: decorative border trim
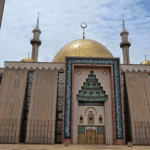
{"x": 135, "y": 67}
{"x": 68, "y": 92}
{"x": 34, "y": 65}
{"x": 91, "y": 104}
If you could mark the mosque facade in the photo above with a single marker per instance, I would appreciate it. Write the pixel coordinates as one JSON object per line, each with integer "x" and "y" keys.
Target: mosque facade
{"x": 84, "y": 96}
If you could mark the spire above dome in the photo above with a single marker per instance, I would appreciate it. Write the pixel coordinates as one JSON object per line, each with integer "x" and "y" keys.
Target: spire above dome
{"x": 82, "y": 48}
{"x": 124, "y": 29}
{"x": 145, "y": 62}
{"x": 37, "y": 26}
{"x": 83, "y": 26}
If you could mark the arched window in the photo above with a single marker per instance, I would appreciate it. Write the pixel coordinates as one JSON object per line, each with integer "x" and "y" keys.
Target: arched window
{"x": 91, "y": 117}
{"x": 100, "y": 119}
{"x": 81, "y": 119}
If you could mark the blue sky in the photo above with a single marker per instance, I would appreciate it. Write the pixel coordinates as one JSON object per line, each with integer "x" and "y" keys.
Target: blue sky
{"x": 60, "y": 24}
{"x": 145, "y": 4}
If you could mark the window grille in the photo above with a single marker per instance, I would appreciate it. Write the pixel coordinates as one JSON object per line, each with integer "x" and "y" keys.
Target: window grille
{"x": 59, "y": 108}
{"x": 149, "y": 77}
{"x": 125, "y": 103}
{"x": 26, "y": 106}
{"x": 81, "y": 119}
{"x": 0, "y": 79}
{"x": 100, "y": 120}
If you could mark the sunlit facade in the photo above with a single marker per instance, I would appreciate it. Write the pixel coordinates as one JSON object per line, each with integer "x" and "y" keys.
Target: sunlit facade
{"x": 84, "y": 96}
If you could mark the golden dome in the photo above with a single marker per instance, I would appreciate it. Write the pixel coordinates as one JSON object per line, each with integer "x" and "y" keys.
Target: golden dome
{"x": 82, "y": 48}
{"x": 27, "y": 59}
{"x": 145, "y": 62}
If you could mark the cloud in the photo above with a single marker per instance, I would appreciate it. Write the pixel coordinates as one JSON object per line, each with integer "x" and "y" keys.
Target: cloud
{"x": 60, "y": 24}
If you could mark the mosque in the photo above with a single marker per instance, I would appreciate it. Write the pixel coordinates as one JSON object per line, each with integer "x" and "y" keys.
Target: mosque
{"x": 84, "y": 96}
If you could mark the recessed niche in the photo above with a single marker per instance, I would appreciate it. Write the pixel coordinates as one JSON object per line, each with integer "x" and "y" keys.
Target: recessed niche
{"x": 100, "y": 119}
{"x": 81, "y": 119}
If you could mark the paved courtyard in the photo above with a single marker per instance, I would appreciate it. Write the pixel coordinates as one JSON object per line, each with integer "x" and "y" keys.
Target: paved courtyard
{"x": 70, "y": 147}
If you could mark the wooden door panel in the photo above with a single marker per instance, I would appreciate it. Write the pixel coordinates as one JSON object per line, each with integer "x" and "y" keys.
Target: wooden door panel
{"x": 90, "y": 137}
{"x": 100, "y": 139}
{"x": 81, "y": 138}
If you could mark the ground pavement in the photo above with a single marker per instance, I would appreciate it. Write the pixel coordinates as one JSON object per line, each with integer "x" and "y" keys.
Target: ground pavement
{"x": 70, "y": 147}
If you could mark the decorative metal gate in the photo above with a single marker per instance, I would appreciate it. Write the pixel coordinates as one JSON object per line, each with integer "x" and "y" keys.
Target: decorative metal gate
{"x": 81, "y": 135}
{"x": 100, "y": 135}
{"x": 26, "y": 107}
{"x": 0, "y": 79}
{"x": 125, "y": 104}
{"x": 59, "y": 108}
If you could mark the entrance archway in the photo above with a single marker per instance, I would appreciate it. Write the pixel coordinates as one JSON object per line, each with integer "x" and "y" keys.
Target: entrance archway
{"x": 91, "y": 100}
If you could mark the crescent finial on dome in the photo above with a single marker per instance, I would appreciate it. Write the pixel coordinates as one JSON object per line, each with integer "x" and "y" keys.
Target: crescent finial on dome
{"x": 83, "y": 27}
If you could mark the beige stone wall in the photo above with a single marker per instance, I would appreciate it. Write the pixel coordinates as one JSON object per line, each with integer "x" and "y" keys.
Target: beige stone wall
{"x": 12, "y": 96}
{"x": 105, "y": 81}
{"x": 1, "y": 70}
{"x": 100, "y": 111}
{"x": 2, "y": 2}
{"x": 42, "y": 111}
{"x": 138, "y": 92}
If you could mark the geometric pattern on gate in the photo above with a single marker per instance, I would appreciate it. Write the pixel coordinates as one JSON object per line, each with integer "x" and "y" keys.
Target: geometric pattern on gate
{"x": 59, "y": 111}
{"x": 81, "y": 129}
{"x": 100, "y": 130}
{"x": 91, "y": 91}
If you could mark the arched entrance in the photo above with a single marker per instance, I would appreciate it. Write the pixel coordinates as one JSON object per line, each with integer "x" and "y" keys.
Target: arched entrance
{"x": 91, "y": 100}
